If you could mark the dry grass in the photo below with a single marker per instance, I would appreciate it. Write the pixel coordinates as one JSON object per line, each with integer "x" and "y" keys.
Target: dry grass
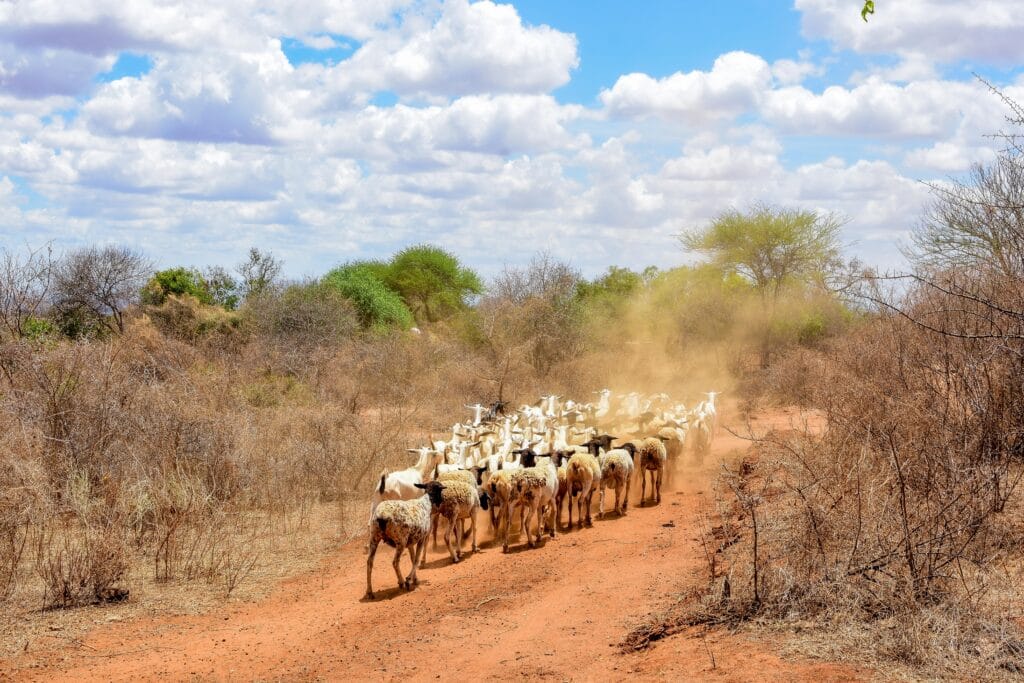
{"x": 286, "y": 546}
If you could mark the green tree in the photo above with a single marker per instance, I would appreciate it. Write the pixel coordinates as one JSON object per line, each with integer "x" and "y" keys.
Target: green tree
{"x": 770, "y": 246}
{"x": 617, "y": 282}
{"x": 378, "y": 306}
{"x": 774, "y": 249}
{"x": 178, "y": 282}
{"x": 432, "y": 282}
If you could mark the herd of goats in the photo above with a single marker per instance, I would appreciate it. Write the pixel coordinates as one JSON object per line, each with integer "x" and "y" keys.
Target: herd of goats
{"x": 532, "y": 459}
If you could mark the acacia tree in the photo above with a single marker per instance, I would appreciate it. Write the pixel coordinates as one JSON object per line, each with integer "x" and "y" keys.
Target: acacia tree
{"x": 772, "y": 248}
{"x": 431, "y": 281}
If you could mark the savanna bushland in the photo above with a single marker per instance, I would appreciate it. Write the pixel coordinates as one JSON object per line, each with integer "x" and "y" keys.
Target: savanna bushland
{"x": 182, "y": 427}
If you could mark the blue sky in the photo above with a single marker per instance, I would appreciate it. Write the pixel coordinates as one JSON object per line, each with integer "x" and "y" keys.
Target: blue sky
{"x": 595, "y": 130}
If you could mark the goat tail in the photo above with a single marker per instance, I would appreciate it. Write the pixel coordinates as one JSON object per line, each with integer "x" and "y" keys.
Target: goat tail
{"x": 383, "y": 477}
{"x": 382, "y": 522}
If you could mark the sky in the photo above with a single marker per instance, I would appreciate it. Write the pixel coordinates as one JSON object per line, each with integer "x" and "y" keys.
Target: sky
{"x": 596, "y": 130}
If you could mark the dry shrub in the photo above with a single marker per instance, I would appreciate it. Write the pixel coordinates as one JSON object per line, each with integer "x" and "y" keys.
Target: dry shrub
{"x": 82, "y": 566}
{"x": 82, "y": 552}
{"x": 183, "y": 317}
{"x": 896, "y": 515}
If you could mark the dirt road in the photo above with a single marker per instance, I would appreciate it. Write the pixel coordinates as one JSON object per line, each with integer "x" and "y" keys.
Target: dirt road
{"x": 558, "y": 612}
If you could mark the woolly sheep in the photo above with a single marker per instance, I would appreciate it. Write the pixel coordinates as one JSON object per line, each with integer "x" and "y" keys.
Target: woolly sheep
{"x": 534, "y": 489}
{"x": 403, "y": 524}
{"x": 651, "y": 458}
{"x": 403, "y": 484}
{"x": 468, "y": 476}
{"x": 459, "y": 501}
{"x": 561, "y": 460}
{"x": 583, "y": 476}
{"x": 617, "y": 472}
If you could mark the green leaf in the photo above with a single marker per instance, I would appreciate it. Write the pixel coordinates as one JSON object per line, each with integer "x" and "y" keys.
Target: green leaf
{"x": 869, "y": 8}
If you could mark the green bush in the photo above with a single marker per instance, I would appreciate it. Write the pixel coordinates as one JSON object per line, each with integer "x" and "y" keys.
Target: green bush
{"x": 37, "y": 329}
{"x": 431, "y": 281}
{"x": 176, "y": 282}
{"x": 377, "y": 305}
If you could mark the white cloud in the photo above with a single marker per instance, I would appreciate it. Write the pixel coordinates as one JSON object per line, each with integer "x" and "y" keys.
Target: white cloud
{"x": 241, "y": 97}
{"x": 472, "y": 48}
{"x": 937, "y": 30}
{"x": 878, "y": 109}
{"x": 223, "y": 143}
{"x": 791, "y": 72}
{"x": 734, "y": 85}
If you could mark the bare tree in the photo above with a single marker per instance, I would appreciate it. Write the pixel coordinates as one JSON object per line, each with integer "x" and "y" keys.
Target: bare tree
{"x": 258, "y": 272}
{"x": 100, "y": 282}
{"x": 533, "y": 312}
{"x": 25, "y": 284}
{"x": 977, "y": 223}
{"x": 545, "y": 278}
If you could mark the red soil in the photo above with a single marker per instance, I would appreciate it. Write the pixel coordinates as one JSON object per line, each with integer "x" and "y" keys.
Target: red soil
{"x": 559, "y": 611}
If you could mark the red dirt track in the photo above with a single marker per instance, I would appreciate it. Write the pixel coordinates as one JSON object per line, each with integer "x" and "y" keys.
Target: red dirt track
{"x": 558, "y": 611}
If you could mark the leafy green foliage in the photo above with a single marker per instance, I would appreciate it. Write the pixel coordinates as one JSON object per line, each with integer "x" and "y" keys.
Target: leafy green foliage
{"x": 176, "y": 282}
{"x": 616, "y": 282}
{"x": 431, "y": 281}
{"x": 869, "y": 8}
{"x": 770, "y": 246}
{"x": 37, "y": 329}
{"x": 378, "y": 306}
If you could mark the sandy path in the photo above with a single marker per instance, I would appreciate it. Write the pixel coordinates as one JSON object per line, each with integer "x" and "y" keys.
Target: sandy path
{"x": 558, "y": 611}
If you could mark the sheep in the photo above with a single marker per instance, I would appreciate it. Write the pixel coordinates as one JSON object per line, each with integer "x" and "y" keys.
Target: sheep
{"x": 617, "y": 472}
{"x": 651, "y": 457}
{"x": 603, "y": 404}
{"x": 403, "y": 484}
{"x": 583, "y": 475}
{"x": 561, "y": 460}
{"x": 459, "y": 501}
{"x": 403, "y": 524}
{"x": 701, "y": 439}
{"x": 499, "y": 490}
{"x": 711, "y": 411}
{"x": 534, "y": 488}
{"x": 467, "y": 476}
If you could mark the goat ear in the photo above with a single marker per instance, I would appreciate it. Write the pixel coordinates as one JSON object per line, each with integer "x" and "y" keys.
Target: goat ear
{"x": 411, "y": 450}
{"x": 420, "y": 486}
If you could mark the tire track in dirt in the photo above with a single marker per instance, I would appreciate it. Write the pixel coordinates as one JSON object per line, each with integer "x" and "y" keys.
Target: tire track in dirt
{"x": 558, "y": 611}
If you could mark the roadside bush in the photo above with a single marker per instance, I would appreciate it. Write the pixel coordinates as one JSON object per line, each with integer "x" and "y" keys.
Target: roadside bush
{"x": 378, "y": 306}
{"x": 898, "y": 507}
